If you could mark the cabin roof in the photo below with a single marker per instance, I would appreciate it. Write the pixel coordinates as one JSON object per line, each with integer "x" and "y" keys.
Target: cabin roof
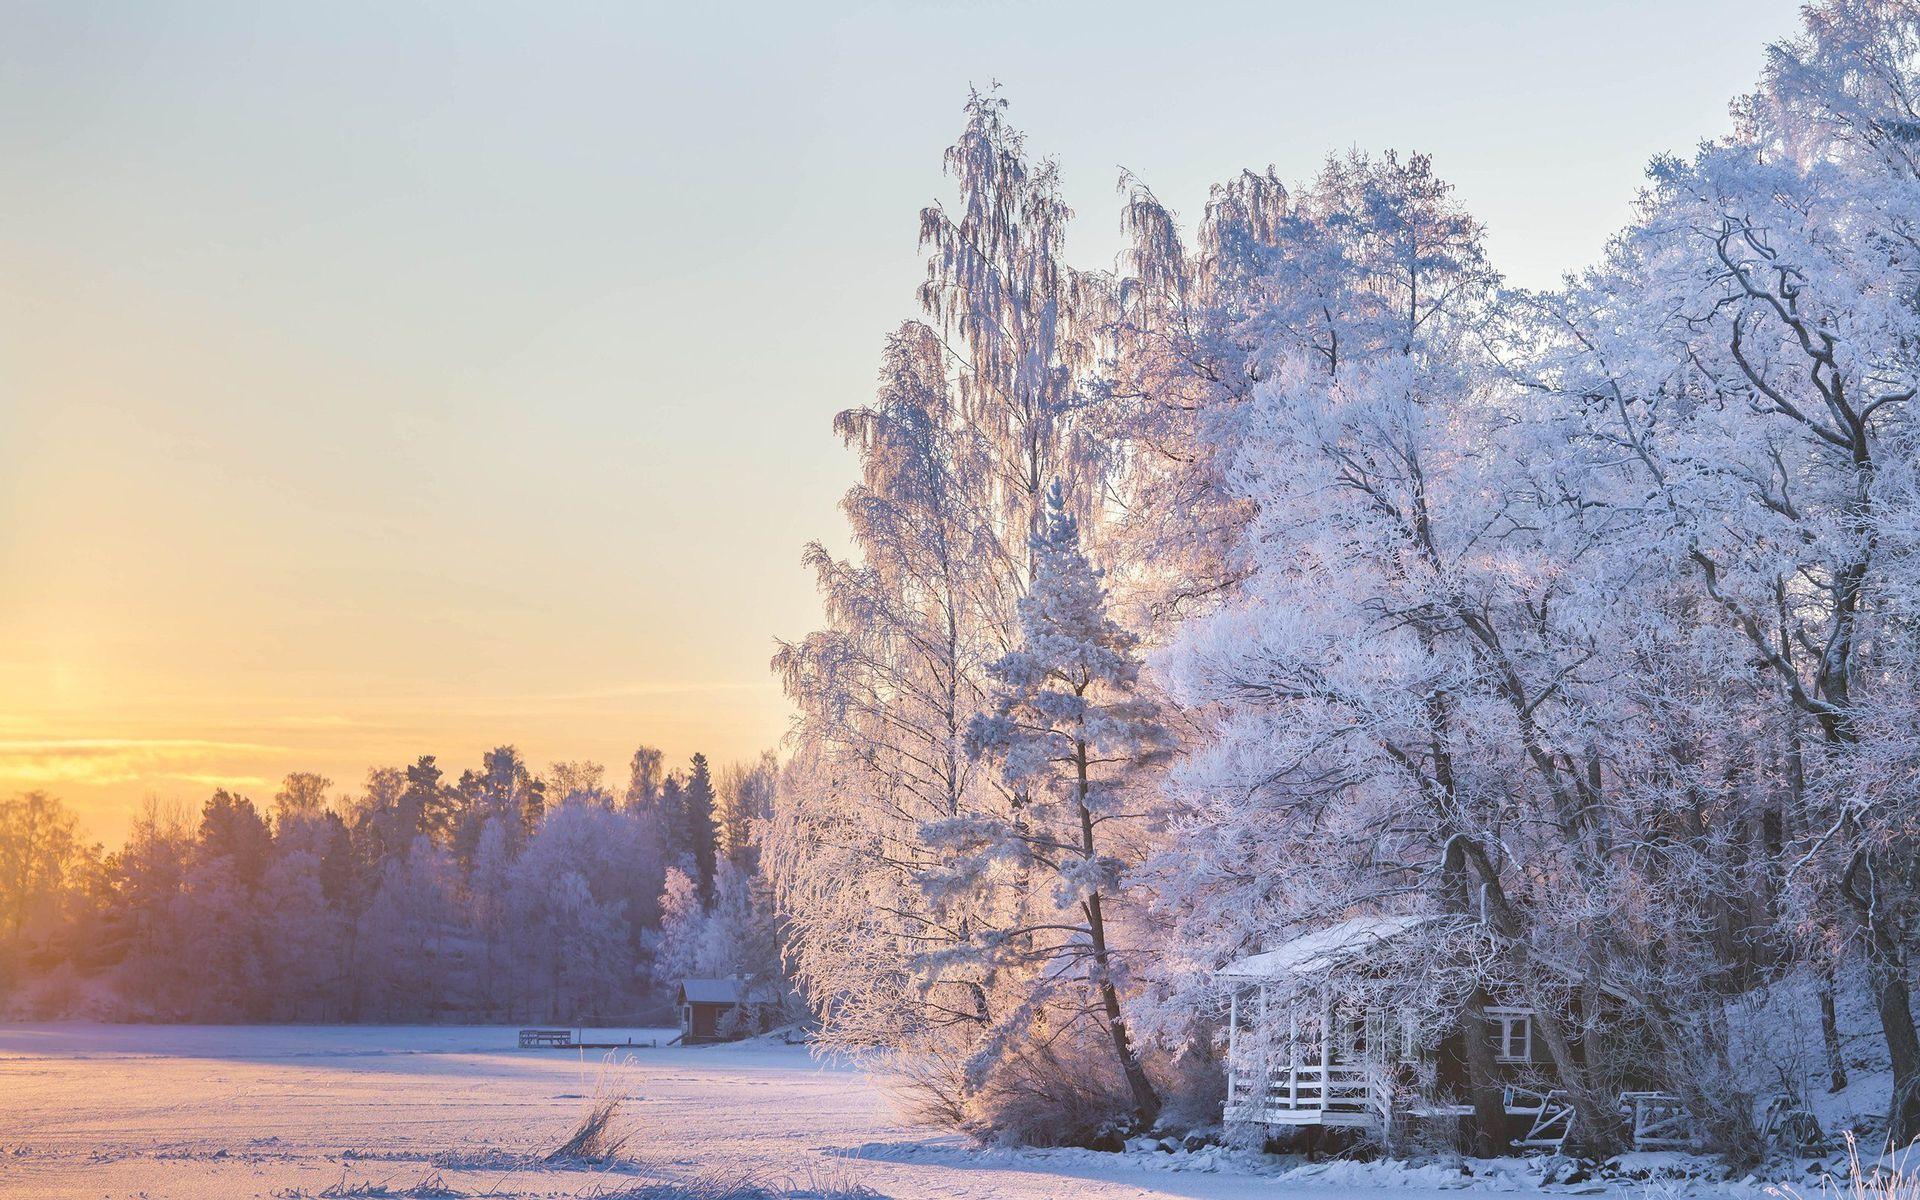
{"x": 1324, "y": 948}
{"x": 726, "y": 990}
{"x": 1345, "y": 941}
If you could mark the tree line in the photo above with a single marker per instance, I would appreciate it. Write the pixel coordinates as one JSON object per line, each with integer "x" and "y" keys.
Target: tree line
{"x": 498, "y": 895}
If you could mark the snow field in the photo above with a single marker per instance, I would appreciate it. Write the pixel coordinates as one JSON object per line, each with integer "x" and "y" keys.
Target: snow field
{"x": 225, "y": 1112}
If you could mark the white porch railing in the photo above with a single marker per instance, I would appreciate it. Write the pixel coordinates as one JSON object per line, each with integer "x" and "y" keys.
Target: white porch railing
{"x": 1340, "y": 1094}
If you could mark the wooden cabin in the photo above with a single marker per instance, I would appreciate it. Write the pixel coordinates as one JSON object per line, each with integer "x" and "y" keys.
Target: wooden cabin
{"x": 724, "y": 1010}
{"x": 1301, "y": 1052}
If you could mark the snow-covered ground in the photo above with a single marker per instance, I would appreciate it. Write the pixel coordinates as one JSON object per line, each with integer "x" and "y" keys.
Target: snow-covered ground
{"x": 214, "y": 1113}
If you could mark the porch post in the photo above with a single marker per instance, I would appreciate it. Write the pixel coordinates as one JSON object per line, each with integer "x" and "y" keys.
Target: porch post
{"x": 1326, "y": 1047}
{"x": 1293, "y": 1056}
{"x": 1233, "y": 1039}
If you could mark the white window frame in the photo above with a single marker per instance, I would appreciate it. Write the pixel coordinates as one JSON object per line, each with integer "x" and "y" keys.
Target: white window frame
{"x": 1507, "y": 1023}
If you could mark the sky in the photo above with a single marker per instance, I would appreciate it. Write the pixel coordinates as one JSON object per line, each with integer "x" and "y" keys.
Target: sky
{"x": 388, "y": 379}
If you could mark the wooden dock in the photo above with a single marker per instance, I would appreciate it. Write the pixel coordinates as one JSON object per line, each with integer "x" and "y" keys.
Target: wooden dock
{"x": 565, "y": 1039}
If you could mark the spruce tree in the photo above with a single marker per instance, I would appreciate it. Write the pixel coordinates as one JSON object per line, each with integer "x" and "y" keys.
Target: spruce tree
{"x": 1068, "y": 730}
{"x": 697, "y": 813}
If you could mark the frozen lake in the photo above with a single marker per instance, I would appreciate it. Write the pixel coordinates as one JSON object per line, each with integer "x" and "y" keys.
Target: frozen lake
{"x": 216, "y": 1112}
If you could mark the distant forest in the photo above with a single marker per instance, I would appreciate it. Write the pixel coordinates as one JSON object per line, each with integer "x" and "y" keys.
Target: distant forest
{"x": 500, "y": 895}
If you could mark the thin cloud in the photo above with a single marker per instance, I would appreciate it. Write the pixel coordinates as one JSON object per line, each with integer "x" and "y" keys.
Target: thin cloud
{"x": 82, "y": 745}
{"x": 226, "y": 780}
{"x": 100, "y": 761}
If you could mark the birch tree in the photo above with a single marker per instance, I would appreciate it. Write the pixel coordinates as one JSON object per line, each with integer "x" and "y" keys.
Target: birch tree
{"x": 884, "y": 695}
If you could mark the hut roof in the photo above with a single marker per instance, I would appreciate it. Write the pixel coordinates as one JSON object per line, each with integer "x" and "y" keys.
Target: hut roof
{"x": 726, "y": 990}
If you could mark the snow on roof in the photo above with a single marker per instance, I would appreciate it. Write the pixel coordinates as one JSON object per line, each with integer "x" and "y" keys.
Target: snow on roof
{"x": 731, "y": 990}
{"x": 1324, "y": 948}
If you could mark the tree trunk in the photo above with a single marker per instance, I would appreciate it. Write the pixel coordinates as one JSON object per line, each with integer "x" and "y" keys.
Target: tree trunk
{"x": 1146, "y": 1101}
{"x": 1887, "y": 979}
{"x": 1830, "y": 1035}
{"x": 1483, "y": 1084}
{"x": 1597, "y": 1129}
{"x": 1890, "y": 996}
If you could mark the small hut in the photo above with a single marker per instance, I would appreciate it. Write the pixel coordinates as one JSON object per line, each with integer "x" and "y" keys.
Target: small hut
{"x": 725, "y": 1009}
{"x": 1306, "y": 1048}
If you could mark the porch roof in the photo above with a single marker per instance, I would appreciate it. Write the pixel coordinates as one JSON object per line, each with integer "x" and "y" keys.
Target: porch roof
{"x": 1324, "y": 948}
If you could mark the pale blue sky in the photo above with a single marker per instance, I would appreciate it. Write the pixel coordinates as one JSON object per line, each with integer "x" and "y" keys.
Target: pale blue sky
{"x": 379, "y": 379}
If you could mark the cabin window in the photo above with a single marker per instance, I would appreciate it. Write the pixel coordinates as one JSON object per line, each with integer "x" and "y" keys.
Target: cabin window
{"x": 1377, "y": 1036}
{"x": 1378, "y": 1033}
{"x": 1350, "y": 1039}
{"x": 1512, "y": 1032}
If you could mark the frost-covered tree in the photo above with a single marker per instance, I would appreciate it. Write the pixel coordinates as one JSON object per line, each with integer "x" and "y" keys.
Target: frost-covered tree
{"x": 884, "y": 694}
{"x": 1744, "y": 360}
{"x": 412, "y": 938}
{"x": 645, "y": 775}
{"x": 40, "y": 864}
{"x": 305, "y": 893}
{"x": 301, "y": 794}
{"x": 144, "y": 919}
{"x": 1401, "y": 700}
{"x": 304, "y": 940}
{"x": 580, "y": 780}
{"x": 689, "y": 945}
{"x": 1069, "y": 730}
{"x": 219, "y": 908}
{"x": 977, "y": 410}
{"x": 37, "y": 850}
{"x": 384, "y": 823}
{"x": 1183, "y": 357}
{"x": 489, "y": 894}
{"x": 743, "y": 804}
{"x": 1021, "y": 321}
{"x": 599, "y": 867}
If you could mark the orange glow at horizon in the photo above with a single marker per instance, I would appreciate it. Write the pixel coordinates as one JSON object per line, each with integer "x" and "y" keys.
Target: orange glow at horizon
{"x": 150, "y": 752}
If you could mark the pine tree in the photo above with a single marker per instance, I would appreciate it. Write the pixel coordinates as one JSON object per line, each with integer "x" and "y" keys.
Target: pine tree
{"x": 697, "y": 831}
{"x": 671, "y": 808}
{"x": 502, "y": 789}
{"x": 233, "y": 829}
{"x": 425, "y": 806}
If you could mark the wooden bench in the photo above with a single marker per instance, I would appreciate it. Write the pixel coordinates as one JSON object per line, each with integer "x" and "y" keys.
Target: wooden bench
{"x": 535, "y": 1038}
